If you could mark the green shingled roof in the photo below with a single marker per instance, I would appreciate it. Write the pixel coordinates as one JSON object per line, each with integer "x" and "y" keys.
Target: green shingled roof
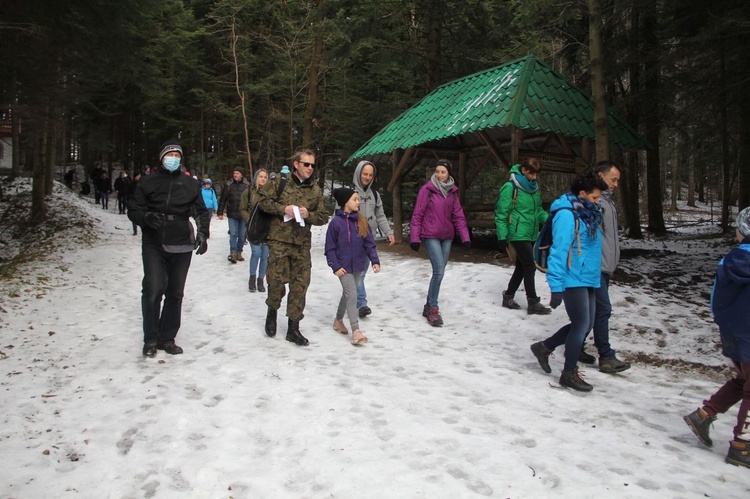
{"x": 525, "y": 93}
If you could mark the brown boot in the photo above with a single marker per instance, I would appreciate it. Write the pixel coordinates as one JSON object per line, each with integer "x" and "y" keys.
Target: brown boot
{"x": 239, "y": 257}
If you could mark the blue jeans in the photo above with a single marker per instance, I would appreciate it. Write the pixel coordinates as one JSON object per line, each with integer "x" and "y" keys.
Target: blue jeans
{"x": 361, "y": 291}
{"x": 580, "y": 304}
{"x": 164, "y": 276}
{"x": 258, "y": 255}
{"x": 438, "y": 250}
{"x": 236, "y": 234}
{"x": 601, "y": 320}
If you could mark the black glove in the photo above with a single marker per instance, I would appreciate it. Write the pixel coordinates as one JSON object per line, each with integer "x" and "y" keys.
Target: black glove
{"x": 556, "y": 300}
{"x": 502, "y": 246}
{"x": 414, "y": 246}
{"x": 201, "y": 245}
{"x": 154, "y": 220}
{"x": 466, "y": 244}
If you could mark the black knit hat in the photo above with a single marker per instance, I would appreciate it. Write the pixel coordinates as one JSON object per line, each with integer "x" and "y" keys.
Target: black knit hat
{"x": 167, "y": 147}
{"x": 342, "y": 195}
{"x": 447, "y": 164}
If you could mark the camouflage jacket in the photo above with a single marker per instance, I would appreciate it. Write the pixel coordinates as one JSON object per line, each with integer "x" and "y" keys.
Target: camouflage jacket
{"x": 296, "y": 192}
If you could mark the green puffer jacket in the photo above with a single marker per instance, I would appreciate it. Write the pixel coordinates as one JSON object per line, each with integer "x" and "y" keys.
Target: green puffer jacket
{"x": 518, "y": 221}
{"x": 298, "y": 193}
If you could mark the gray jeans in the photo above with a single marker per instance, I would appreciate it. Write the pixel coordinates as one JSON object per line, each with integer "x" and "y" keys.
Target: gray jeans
{"x": 348, "y": 302}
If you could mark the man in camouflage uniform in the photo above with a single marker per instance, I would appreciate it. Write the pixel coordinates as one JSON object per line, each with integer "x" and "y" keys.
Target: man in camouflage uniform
{"x": 289, "y": 243}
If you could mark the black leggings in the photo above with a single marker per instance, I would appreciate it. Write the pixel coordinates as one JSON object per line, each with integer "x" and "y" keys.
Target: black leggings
{"x": 525, "y": 269}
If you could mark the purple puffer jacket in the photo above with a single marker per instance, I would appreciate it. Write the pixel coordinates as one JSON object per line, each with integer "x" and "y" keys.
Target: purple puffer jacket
{"x": 437, "y": 217}
{"x": 345, "y": 247}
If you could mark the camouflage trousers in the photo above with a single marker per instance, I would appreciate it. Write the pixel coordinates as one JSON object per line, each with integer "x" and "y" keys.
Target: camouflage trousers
{"x": 288, "y": 264}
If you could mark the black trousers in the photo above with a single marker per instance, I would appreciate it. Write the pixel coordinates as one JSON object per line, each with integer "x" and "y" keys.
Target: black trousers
{"x": 164, "y": 276}
{"x": 525, "y": 269}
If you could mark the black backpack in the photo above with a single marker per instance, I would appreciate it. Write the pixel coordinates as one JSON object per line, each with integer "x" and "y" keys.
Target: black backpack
{"x": 544, "y": 241}
{"x": 260, "y": 221}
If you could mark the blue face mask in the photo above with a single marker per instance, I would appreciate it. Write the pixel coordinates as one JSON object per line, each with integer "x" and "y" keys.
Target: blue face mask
{"x": 171, "y": 163}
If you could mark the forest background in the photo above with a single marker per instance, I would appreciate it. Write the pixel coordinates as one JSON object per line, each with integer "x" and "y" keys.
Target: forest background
{"x": 247, "y": 82}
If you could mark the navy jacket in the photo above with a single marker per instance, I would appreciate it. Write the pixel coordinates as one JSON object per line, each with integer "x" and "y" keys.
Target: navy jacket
{"x": 729, "y": 302}
{"x": 345, "y": 247}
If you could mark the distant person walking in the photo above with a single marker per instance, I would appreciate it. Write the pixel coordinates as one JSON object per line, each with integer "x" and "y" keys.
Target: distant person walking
{"x": 518, "y": 215}
{"x": 349, "y": 247}
{"x": 574, "y": 272}
{"x": 94, "y": 176}
{"x": 729, "y": 303}
{"x": 163, "y": 204}
{"x": 299, "y": 206}
{"x": 122, "y": 188}
{"x": 229, "y": 203}
{"x": 133, "y": 186}
{"x": 371, "y": 207}
{"x": 258, "y": 248}
{"x": 436, "y": 219}
{"x": 209, "y": 197}
{"x": 104, "y": 185}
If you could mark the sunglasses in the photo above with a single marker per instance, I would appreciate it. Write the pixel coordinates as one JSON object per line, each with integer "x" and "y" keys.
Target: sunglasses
{"x": 305, "y": 163}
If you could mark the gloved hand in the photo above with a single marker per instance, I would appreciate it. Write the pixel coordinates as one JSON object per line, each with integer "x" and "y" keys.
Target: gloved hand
{"x": 154, "y": 220}
{"x": 466, "y": 244}
{"x": 414, "y": 246}
{"x": 502, "y": 246}
{"x": 556, "y": 300}
{"x": 201, "y": 244}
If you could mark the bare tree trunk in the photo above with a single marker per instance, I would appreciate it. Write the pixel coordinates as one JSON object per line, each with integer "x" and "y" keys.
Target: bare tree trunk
{"x": 598, "y": 93}
{"x": 313, "y": 87}
{"x": 433, "y": 45}
{"x": 38, "y": 201}
{"x": 726, "y": 173}
{"x": 14, "y": 123}
{"x": 631, "y": 183}
{"x": 241, "y": 96}
{"x": 743, "y": 199}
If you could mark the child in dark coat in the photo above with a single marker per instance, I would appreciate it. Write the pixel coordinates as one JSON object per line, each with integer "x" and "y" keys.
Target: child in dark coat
{"x": 348, "y": 240}
{"x": 729, "y": 300}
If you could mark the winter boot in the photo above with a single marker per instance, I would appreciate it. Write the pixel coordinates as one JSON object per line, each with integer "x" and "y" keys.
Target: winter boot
{"x": 271, "y": 322}
{"x": 339, "y": 327}
{"x": 169, "y": 347}
{"x": 509, "y": 302}
{"x": 434, "y": 317}
{"x": 358, "y": 338}
{"x": 613, "y": 365}
{"x": 535, "y": 307}
{"x": 739, "y": 453}
{"x": 261, "y": 287}
{"x": 251, "y": 284}
{"x": 426, "y": 310}
{"x": 231, "y": 258}
{"x": 149, "y": 349}
{"x": 542, "y": 354}
{"x": 238, "y": 256}
{"x": 700, "y": 422}
{"x": 573, "y": 379}
{"x": 586, "y": 358}
{"x": 364, "y": 311}
{"x": 293, "y": 334}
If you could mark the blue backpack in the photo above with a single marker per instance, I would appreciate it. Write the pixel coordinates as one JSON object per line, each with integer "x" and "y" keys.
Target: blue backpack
{"x": 544, "y": 241}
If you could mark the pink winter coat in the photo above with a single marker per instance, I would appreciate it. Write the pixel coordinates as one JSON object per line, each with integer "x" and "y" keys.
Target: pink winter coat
{"x": 437, "y": 217}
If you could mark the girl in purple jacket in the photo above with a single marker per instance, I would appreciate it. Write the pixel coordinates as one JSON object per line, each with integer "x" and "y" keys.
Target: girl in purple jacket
{"x": 348, "y": 240}
{"x": 436, "y": 219}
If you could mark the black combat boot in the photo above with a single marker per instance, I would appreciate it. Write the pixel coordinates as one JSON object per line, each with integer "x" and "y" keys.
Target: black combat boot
{"x": 293, "y": 334}
{"x": 261, "y": 286}
{"x": 271, "y": 322}
{"x": 169, "y": 347}
{"x": 251, "y": 284}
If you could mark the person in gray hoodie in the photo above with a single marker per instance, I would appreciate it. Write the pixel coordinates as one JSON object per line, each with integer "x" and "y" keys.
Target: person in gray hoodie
{"x": 371, "y": 207}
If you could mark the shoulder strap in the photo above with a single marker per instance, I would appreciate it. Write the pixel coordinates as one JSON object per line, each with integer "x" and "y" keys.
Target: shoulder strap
{"x": 280, "y": 189}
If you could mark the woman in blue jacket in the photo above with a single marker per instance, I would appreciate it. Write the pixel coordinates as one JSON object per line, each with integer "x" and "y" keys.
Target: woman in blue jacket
{"x": 574, "y": 272}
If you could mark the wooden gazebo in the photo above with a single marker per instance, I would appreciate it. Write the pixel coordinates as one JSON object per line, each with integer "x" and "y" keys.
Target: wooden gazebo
{"x": 499, "y": 116}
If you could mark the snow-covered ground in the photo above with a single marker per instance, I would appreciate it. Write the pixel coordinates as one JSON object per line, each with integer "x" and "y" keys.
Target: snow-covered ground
{"x": 458, "y": 411}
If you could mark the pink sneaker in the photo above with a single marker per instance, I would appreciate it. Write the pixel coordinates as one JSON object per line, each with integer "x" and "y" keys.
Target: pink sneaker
{"x": 339, "y": 327}
{"x": 358, "y": 338}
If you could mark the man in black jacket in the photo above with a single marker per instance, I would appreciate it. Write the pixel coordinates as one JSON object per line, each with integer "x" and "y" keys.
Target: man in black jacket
{"x": 229, "y": 201}
{"x": 162, "y": 205}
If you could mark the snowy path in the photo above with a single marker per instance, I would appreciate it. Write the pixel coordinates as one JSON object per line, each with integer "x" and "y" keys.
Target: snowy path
{"x": 458, "y": 411}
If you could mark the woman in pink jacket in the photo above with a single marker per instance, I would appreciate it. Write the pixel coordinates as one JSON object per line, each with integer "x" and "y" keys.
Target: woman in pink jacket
{"x": 436, "y": 219}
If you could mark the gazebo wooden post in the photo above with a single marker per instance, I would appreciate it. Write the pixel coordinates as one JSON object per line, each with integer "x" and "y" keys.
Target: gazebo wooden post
{"x": 462, "y": 177}
{"x": 515, "y": 145}
{"x": 398, "y": 229}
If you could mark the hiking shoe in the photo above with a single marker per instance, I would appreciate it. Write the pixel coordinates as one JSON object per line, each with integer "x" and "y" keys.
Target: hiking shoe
{"x": 238, "y": 256}
{"x": 149, "y": 349}
{"x": 169, "y": 347}
{"x": 586, "y": 358}
{"x": 434, "y": 318}
{"x": 358, "y": 338}
{"x": 542, "y": 354}
{"x": 509, "y": 302}
{"x": 261, "y": 286}
{"x": 574, "y": 379}
{"x": 739, "y": 453}
{"x": 536, "y": 307}
{"x": 231, "y": 258}
{"x": 251, "y": 284}
{"x": 426, "y": 310}
{"x": 339, "y": 327}
{"x": 700, "y": 422}
{"x": 364, "y": 311}
{"x": 613, "y": 366}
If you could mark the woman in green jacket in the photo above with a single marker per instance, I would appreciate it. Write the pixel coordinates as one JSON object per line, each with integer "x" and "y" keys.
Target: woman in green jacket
{"x": 518, "y": 215}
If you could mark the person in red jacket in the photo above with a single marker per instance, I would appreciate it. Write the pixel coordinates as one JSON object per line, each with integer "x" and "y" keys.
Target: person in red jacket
{"x": 436, "y": 219}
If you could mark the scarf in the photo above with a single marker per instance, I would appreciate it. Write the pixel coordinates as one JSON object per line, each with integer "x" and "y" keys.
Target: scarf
{"x": 588, "y": 212}
{"x": 444, "y": 188}
{"x": 523, "y": 183}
